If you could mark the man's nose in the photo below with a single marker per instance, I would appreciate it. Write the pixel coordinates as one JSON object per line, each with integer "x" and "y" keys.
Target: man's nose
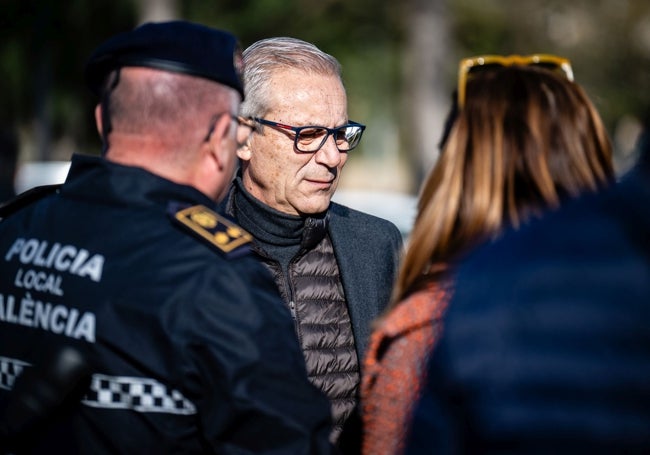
{"x": 329, "y": 154}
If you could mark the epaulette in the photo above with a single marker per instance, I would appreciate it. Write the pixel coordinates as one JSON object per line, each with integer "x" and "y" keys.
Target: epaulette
{"x": 219, "y": 232}
{"x": 26, "y": 198}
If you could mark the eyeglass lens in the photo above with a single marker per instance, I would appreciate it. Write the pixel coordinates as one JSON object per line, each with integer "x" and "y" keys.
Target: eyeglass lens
{"x": 312, "y": 139}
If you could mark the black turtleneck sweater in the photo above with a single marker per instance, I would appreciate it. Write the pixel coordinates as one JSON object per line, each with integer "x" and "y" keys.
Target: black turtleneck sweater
{"x": 280, "y": 235}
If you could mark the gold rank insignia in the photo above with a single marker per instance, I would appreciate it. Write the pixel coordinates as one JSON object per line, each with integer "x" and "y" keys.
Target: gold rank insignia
{"x": 216, "y": 229}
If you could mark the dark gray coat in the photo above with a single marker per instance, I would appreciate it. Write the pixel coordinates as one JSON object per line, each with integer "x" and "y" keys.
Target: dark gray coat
{"x": 367, "y": 249}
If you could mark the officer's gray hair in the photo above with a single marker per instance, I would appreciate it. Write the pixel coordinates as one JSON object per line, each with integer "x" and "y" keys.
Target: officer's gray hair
{"x": 264, "y": 57}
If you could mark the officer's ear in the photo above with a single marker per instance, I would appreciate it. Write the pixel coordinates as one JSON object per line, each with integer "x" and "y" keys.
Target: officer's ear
{"x": 98, "y": 120}
{"x": 221, "y": 141}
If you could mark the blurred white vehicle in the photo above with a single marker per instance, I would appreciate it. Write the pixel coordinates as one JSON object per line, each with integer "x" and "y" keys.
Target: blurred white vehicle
{"x": 39, "y": 173}
{"x": 400, "y": 208}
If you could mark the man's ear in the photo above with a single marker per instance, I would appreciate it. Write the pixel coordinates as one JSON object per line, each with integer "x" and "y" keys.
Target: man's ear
{"x": 98, "y": 119}
{"x": 221, "y": 141}
{"x": 244, "y": 149}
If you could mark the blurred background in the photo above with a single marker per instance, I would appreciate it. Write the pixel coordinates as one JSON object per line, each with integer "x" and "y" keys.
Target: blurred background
{"x": 399, "y": 66}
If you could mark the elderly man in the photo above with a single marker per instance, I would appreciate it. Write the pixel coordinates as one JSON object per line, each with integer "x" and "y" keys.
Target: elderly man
{"x": 125, "y": 281}
{"x": 334, "y": 266}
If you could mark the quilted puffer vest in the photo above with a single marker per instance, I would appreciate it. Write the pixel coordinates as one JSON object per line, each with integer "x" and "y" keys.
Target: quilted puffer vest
{"x": 317, "y": 303}
{"x": 313, "y": 291}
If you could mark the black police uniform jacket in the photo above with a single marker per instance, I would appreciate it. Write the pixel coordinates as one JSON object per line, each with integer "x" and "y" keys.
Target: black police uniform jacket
{"x": 190, "y": 346}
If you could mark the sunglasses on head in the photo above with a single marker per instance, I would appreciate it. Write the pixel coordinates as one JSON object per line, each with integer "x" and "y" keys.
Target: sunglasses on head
{"x": 473, "y": 65}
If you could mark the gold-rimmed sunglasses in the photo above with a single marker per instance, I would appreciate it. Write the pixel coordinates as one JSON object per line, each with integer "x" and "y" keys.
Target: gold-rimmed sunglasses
{"x": 471, "y": 65}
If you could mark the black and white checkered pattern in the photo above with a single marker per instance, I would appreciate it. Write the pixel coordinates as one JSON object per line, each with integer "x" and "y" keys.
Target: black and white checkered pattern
{"x": 9, "y": 371}
{"x": 137, "y": 394}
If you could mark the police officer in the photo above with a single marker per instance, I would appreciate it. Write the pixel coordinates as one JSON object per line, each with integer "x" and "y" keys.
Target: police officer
{"x": 124, "y": 291}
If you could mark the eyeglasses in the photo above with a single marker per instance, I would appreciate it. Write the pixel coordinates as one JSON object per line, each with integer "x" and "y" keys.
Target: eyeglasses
{"x": 310, "y": 139}
{"x": 472, "y": 65}
{"x": 215, "y": 117}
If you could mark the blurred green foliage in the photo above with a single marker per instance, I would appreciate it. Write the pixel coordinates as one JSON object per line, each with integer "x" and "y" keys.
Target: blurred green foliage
{"x": 44, "y": 44}
{"x": 608, "y": 42}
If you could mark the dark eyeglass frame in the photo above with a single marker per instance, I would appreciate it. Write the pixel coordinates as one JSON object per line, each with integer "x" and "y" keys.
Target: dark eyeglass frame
{"x": 298, "y": 129}
{"x": 471, "y": 64}
{"x": 213, "y": 122}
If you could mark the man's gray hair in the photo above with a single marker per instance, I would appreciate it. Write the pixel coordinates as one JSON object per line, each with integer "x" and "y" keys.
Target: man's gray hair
{"x": 264, "y": 57}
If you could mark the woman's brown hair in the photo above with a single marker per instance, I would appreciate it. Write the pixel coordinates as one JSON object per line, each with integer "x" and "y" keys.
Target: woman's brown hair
{"x": 525, "y": 140}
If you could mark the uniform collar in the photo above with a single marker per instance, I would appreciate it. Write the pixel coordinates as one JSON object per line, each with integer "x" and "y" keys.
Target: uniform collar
{"x": 98, "y": 179}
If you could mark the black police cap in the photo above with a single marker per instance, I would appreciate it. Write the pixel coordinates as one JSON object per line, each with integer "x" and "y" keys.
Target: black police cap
{"x": 177, "y": 46}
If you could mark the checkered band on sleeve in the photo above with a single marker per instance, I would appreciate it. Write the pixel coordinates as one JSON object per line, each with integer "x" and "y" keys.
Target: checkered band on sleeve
{"x": 137, "y": 394}
{"x": 9, "y": 371}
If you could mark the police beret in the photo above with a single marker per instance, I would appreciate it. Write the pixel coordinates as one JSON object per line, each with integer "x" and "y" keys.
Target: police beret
{"x": 177, "y": 46}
